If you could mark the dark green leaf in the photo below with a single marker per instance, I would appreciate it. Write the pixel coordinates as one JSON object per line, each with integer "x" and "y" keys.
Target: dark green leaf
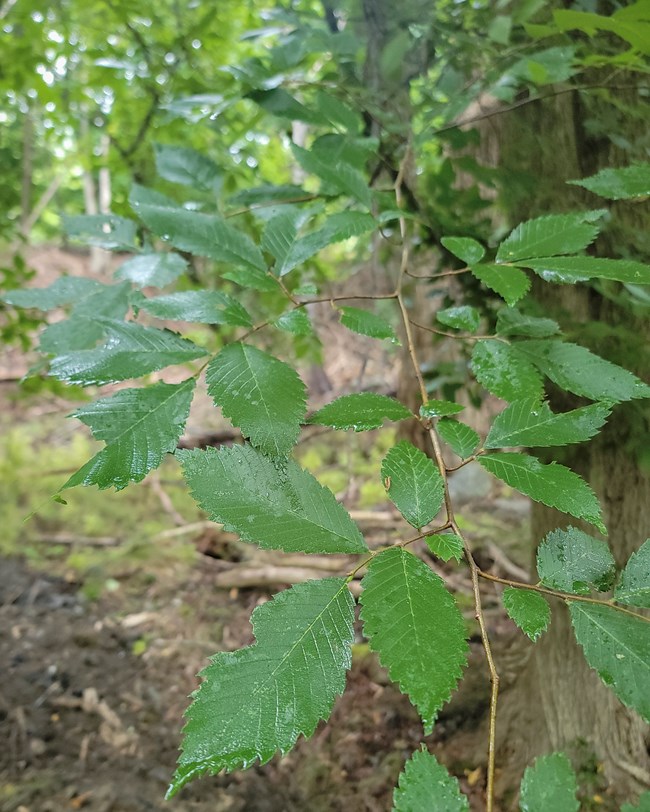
{"x": 550, "y": 784}
{"x": 413, "y": 483}
{"x": 463, "y": 317}
{"x": 414, "y": 625}
{"x": 64, "y": 290}
{"x": 206, "y": 235}
{"x": 579, "y": 269}
{"x": 571, "y": 561}
{"x": 282, "y": 104}
{"x": 552, "y": 485}
{"x": 367, "y": 324}
{"x": 338, "y": 112}
{"x": 505, "y": 372}
{"x": 548, "y": 236}
{"x": 139, "y": 426}
{"x": 361, "y": 412}
{"x": 619, "y": 184}
{"x": 617, "y": 646}
{"x": 251, "y": 703}
{"x": 187, "y": 167}
{"x": 462, "y": 439}
{"x": 201, "y": 306}
{"x": 129, "y": 351}
{"x": 336, "y": 228}
{"x": 634, "y": 586}
{"x": 577, "y": 370}
{"x": 446, "y": 546}
{"x": 510, "y": 283}
{"x": 511, "y": 321}
{"x": 440, "y": 408}
{"x": 465, "y": 248}
{"x": 261, "y": 395}
{"x": 295, "y": 322}
{"x": 341, "y": 176}
{"x": 279, "y": 508}
{"x": 426, "y": 786}
{"x": 529, "y": 610}
{"x": 152, "y": 270}
{"x": 528, "y": 422}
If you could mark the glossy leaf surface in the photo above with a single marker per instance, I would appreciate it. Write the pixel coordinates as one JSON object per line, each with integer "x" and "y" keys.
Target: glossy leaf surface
{"x": 528, "y": 422}
{"x": 361, "y": 412}
{"x": 512, "y": 322}
{"x": 625, "y": 183}
{"x": 129, "y": 351}
{"x": 529, "y": 610}
{"x": 461, "y": 438}
{"x": 504, "y": 372}
{"x": 465, "y": 248}
{"x": 552, "y": 485}
{"x": 617, "y": 646}
{"x": 440, "y": 408}
{"x": 548, "y": 236}
{"x": 462, "y": 317}
{"x": 152, "y": 270}
{"x": 634, "y": 586}
{"x": 251, "y": 704}
{"x": 572, "y": 561}
{"x": 201, "y": 306}
{"x": 139, "y": 426}
{"x": 413, "y": 483}
{"x": 426, "y": 786}
{"x": 261, "y": 395}
{"x": 550, "y": 784}
{"x": 414, "y": 625}
{"x": 510, "y": 283}
{"x": 367, "y": 323}
{"x": 277, "y": 507}
{"x": 569, "y": 270}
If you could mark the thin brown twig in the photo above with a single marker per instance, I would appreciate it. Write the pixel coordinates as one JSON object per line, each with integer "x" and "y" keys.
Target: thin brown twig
{"x": 456, "y": 335}
{"x": 437, "y": 275}
{"x": 565, "y": 596}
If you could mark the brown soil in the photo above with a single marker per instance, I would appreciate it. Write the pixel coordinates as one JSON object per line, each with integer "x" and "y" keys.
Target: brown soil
{"x": 89, "y": 724}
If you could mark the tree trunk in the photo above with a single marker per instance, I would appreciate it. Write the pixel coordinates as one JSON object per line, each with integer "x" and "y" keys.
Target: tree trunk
{"x": 558, "y": 702}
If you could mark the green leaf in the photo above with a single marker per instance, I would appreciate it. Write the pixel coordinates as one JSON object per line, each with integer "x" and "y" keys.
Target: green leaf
{"x": 462, "y": 318}
{"x": 504, "y": 372}
{"x": 102, "y": 230}
{"x": 642, "y": 806}
{"x": 82, "y": 330}
{"x": 439, "y": 408}
{"x": 425, "y": 786}
{"x": 634, "y": 586}
{"x": 278, "y": 508}
{"x": 571, "y": 561}
{"x": 296, "y": 322}
{"x": 200, "y": 306}
{"x": 367, "y": 324}
{"x": 529, "y": 610}
{"x": 341, "y": 176}
{"x": 511, "y": 321}
{"x": 279, "y": 102}
{"x": 617, "y": 646}
{"x": 553, "y": 485}
{"x": 139, "y": 426}
{"x": 248, "y": 278}
{"x": 251, "y": 703}
{"x": 129, "y": 351}
{"x": 187, "y": 167}
{"x": 152, "y": 270}
{"x": 413, "y": 483}
{"x": 361, "y": 412}
{"x": 550, "y": 784}
{"x": 446, "y": 546}
{"x": 462, "y": 439}
{"x": 548, "y": 236}
{"x": 619, "y": 184}
{"x": 414, "y": 625}
{"x": 528, "y": 422}
{"x": 465, "y": 248}
{"x": 569, "y": 270}
{"x": 206, "y": 235}
{"x": 261, "y": 395}
{"x": 510, "y": 283}
{"x": 577, "y": 370}
{"x": 336, "y": 228}
{"x": 499, "y": 29}
{"x": 281, "y": 234}
{"x": 338, "y": 112}
{"x": 64, "y": 290}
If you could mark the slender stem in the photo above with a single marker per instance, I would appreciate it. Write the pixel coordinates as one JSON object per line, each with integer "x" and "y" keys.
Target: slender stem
{"x": 456, "y": 335}
{"x": 564, "y": 596}
{"x": 438, "y": 275}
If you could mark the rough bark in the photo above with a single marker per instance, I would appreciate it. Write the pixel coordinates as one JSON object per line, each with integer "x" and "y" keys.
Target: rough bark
{"x": 558, "y": 702}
